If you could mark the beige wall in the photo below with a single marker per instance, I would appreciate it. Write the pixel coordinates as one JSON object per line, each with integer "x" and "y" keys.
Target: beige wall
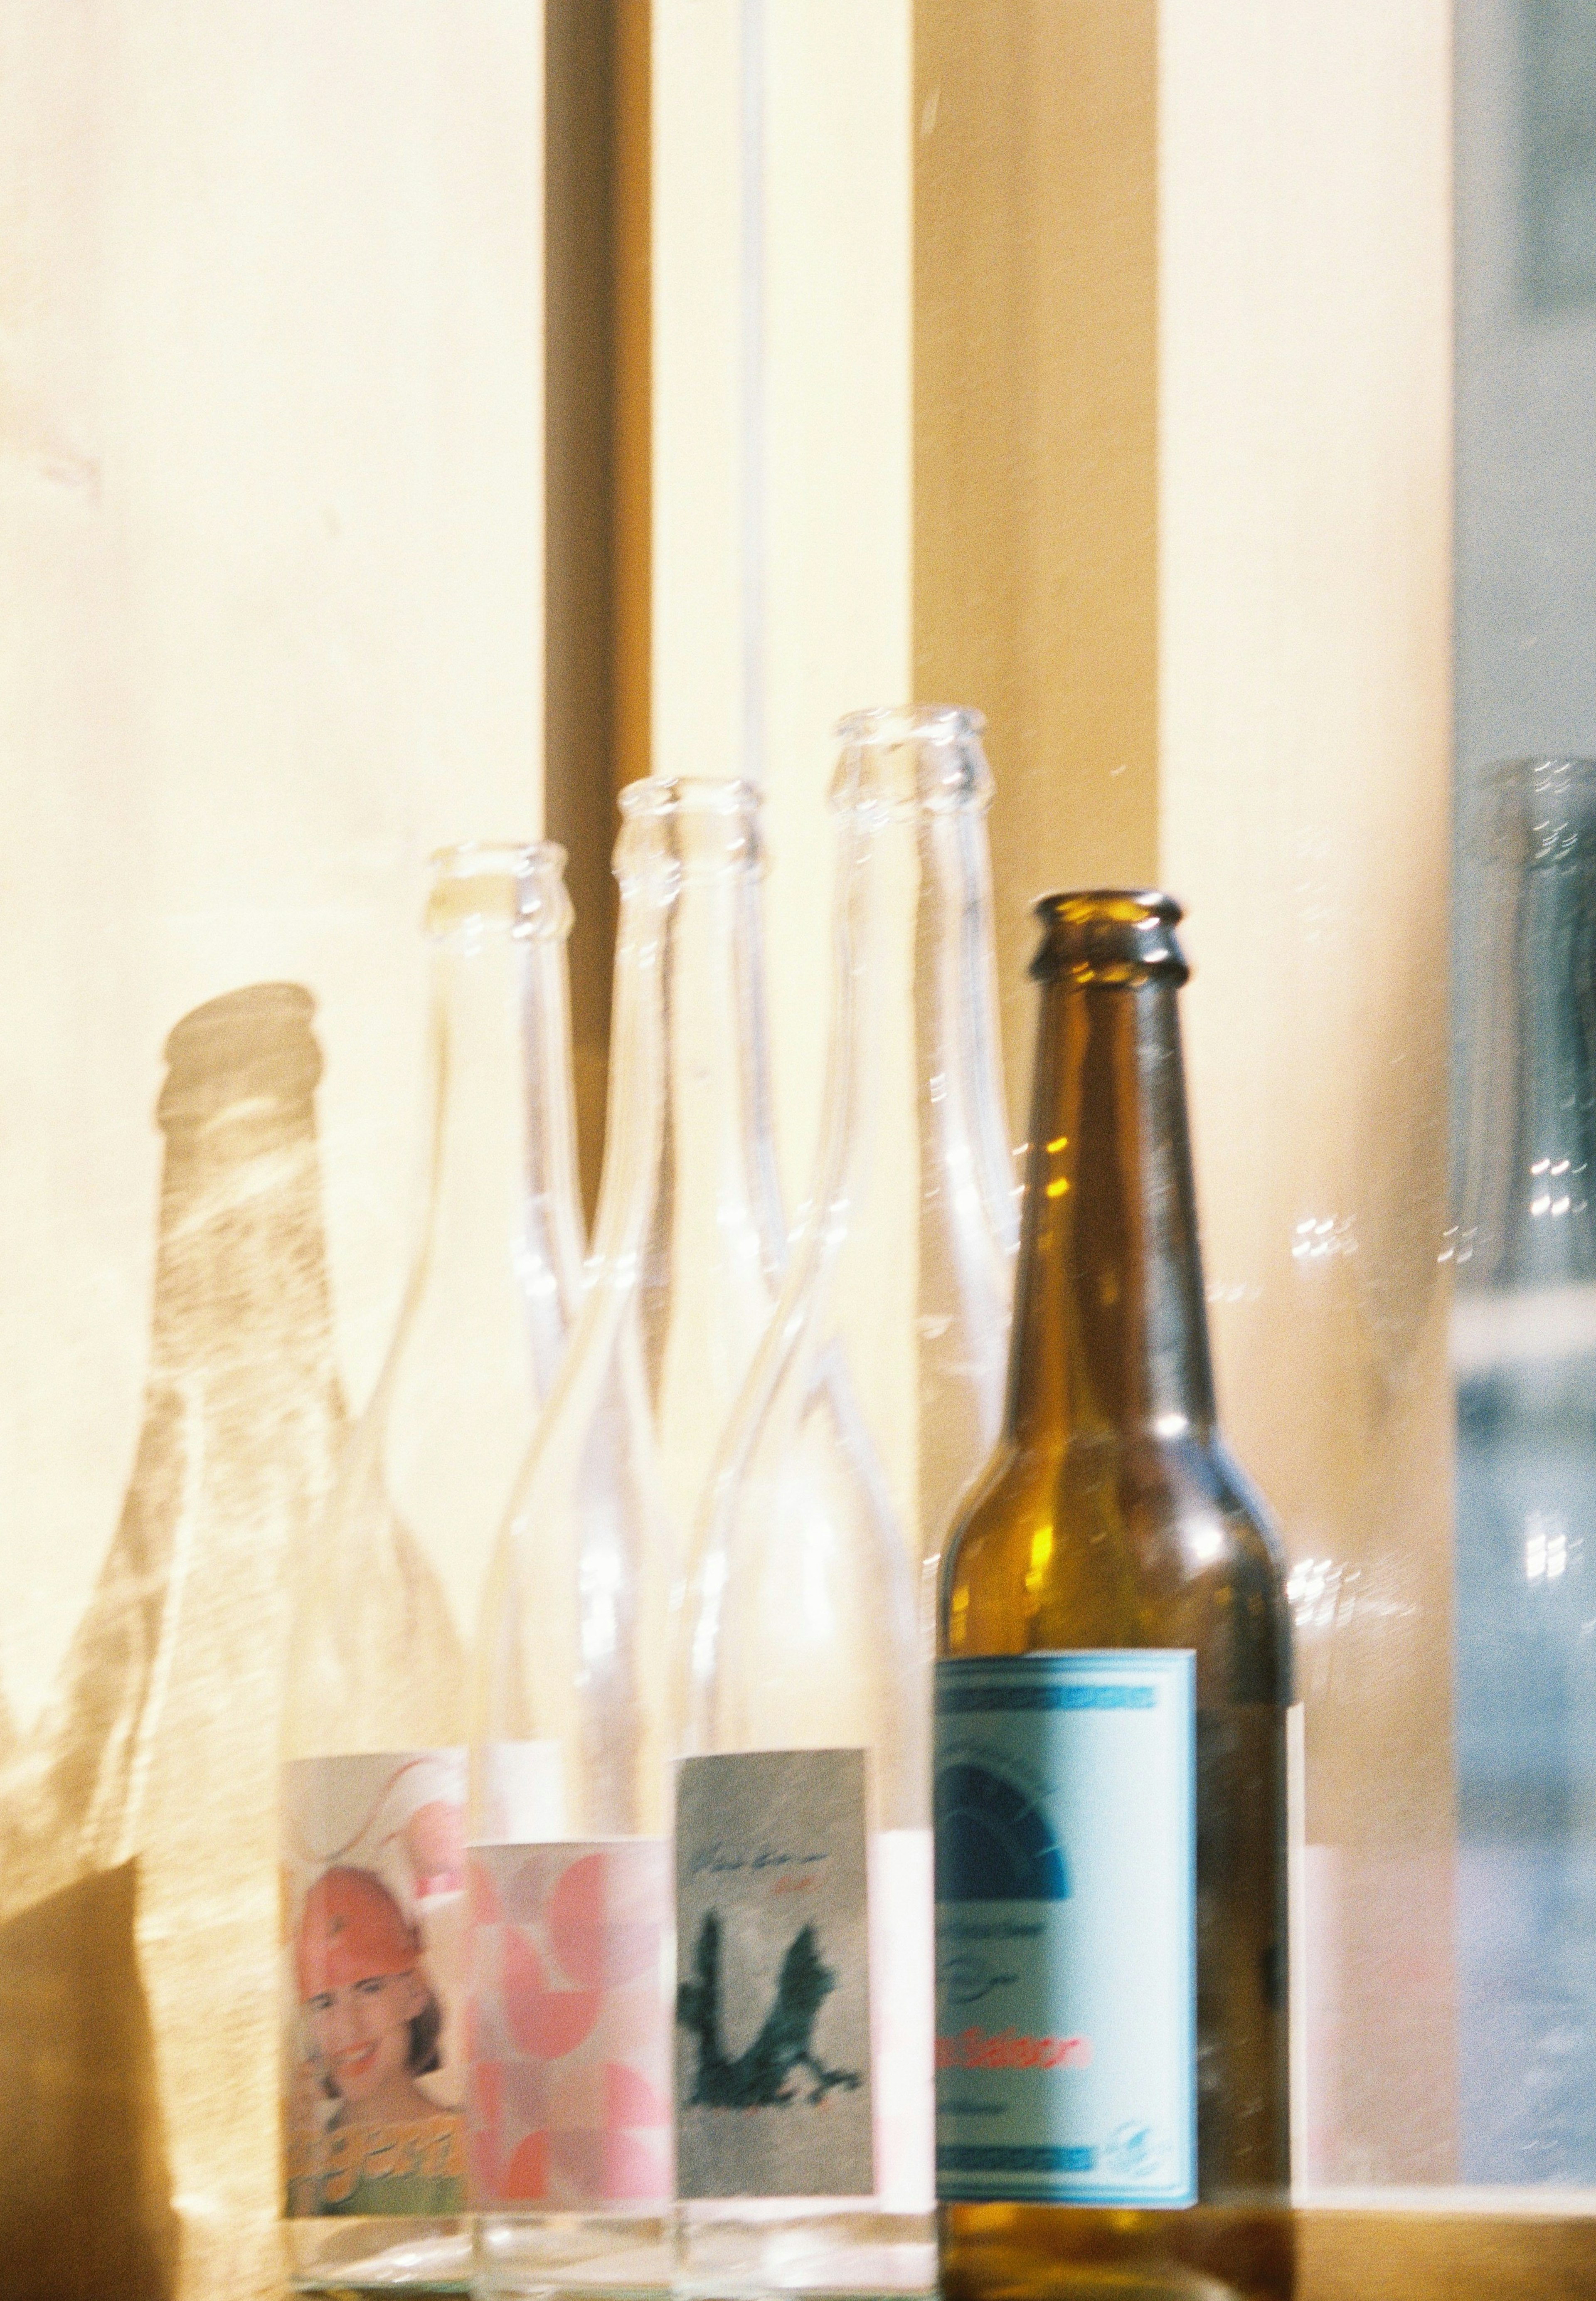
{"x": 270, "y": 624}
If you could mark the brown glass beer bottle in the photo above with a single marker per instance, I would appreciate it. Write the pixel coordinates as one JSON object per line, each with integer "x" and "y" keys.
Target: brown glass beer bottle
{"x": 1112, "y": 1674}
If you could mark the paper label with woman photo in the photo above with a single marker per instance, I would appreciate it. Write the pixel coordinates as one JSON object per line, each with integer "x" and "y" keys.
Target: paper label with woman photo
{"x": 373, "y": 2050}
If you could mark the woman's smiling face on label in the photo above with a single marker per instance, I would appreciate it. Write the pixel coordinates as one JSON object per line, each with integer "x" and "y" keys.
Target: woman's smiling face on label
{"x": 362, "y": 2033}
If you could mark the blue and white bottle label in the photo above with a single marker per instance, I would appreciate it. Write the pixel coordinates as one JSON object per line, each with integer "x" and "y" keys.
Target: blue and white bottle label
{"x": 1066, "y": 1941}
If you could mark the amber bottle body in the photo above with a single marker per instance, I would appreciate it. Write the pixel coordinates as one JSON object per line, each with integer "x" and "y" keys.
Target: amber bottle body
{"x": 1112, "y": 1517}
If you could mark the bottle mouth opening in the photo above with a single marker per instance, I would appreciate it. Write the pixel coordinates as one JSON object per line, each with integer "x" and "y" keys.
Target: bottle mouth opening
{"x": 693, "y": 826}
{"x": 657, "y": 796}
{"x": 898, "y": 759}
{"x": 516, "y": 885}
{"x": 1118, "y": 936}
{"x": 911, "y": 723}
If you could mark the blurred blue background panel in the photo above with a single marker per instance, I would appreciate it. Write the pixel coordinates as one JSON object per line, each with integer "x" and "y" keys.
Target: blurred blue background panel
{"x": 1557, "y": 247}
{"x": 1525, "y": 1132}
{"x": 1526, "y": 379}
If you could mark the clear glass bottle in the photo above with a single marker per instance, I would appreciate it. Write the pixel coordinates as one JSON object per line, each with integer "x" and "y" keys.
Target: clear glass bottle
{"x": 375, "y": 1708}
{"x": 1524, "y": 1348}
{"x": 570, "y": 2091}
{"x": 802, "y": 1700}
{"x": 968, "y": 1229}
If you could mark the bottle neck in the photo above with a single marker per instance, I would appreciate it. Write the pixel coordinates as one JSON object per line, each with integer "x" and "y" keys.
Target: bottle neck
{"x": 914, "y": 939}
{"x": 967, "y": 1173}
{"x": 689, "y": 1236}
{"x": 909, "y": 1243}
{"x": 968, "y": 1210}
{"x": 872, "y": 982}
{"x": 688, "y": 1140}
{"x": 913, "y": 942}
{"x": 502, "y": 1251}
{"x": 1110, "y": 1331}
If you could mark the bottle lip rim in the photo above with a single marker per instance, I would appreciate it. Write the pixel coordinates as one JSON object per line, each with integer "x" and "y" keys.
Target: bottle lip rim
{"x": 940, "y": 765}
{"x": 1115, "y": 937}
{"x": 1129, "y": 906}
{"x": 910, "y": 722}
{"x": 653, "y": 796}
{"x": 480, "y": 886}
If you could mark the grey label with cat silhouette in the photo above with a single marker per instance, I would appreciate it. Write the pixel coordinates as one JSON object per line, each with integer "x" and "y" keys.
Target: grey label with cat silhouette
{"x": 772, "y": 1967}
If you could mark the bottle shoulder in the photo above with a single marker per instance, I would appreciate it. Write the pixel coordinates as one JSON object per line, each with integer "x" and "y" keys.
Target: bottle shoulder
{"x": 1122, "y": 1541}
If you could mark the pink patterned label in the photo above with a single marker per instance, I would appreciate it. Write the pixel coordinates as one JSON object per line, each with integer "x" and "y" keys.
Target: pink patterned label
{"x": 568, "y": 2100}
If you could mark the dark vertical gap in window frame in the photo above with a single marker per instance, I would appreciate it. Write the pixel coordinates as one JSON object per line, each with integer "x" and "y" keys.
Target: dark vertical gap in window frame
{"x": 595, "y": 503}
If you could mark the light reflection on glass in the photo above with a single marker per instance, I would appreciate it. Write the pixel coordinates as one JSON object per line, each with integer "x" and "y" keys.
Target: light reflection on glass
{"x": 1318, "y": 1238}
{"x": 1548, "y": 1550}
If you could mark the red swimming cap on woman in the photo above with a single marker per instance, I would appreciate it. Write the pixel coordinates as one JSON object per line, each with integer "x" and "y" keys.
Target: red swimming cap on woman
{"x": 351, "y": 1930}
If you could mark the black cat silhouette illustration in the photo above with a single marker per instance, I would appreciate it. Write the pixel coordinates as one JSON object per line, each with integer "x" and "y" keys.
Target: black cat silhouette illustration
{"x": 758, "y": 2077}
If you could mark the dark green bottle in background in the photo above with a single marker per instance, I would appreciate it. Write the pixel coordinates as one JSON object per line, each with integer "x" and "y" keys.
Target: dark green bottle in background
{"x": 1113, "y": 1677}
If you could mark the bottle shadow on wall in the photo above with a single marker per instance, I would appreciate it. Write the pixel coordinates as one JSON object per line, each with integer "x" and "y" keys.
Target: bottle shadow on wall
{"x": 138, "y": 1920}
